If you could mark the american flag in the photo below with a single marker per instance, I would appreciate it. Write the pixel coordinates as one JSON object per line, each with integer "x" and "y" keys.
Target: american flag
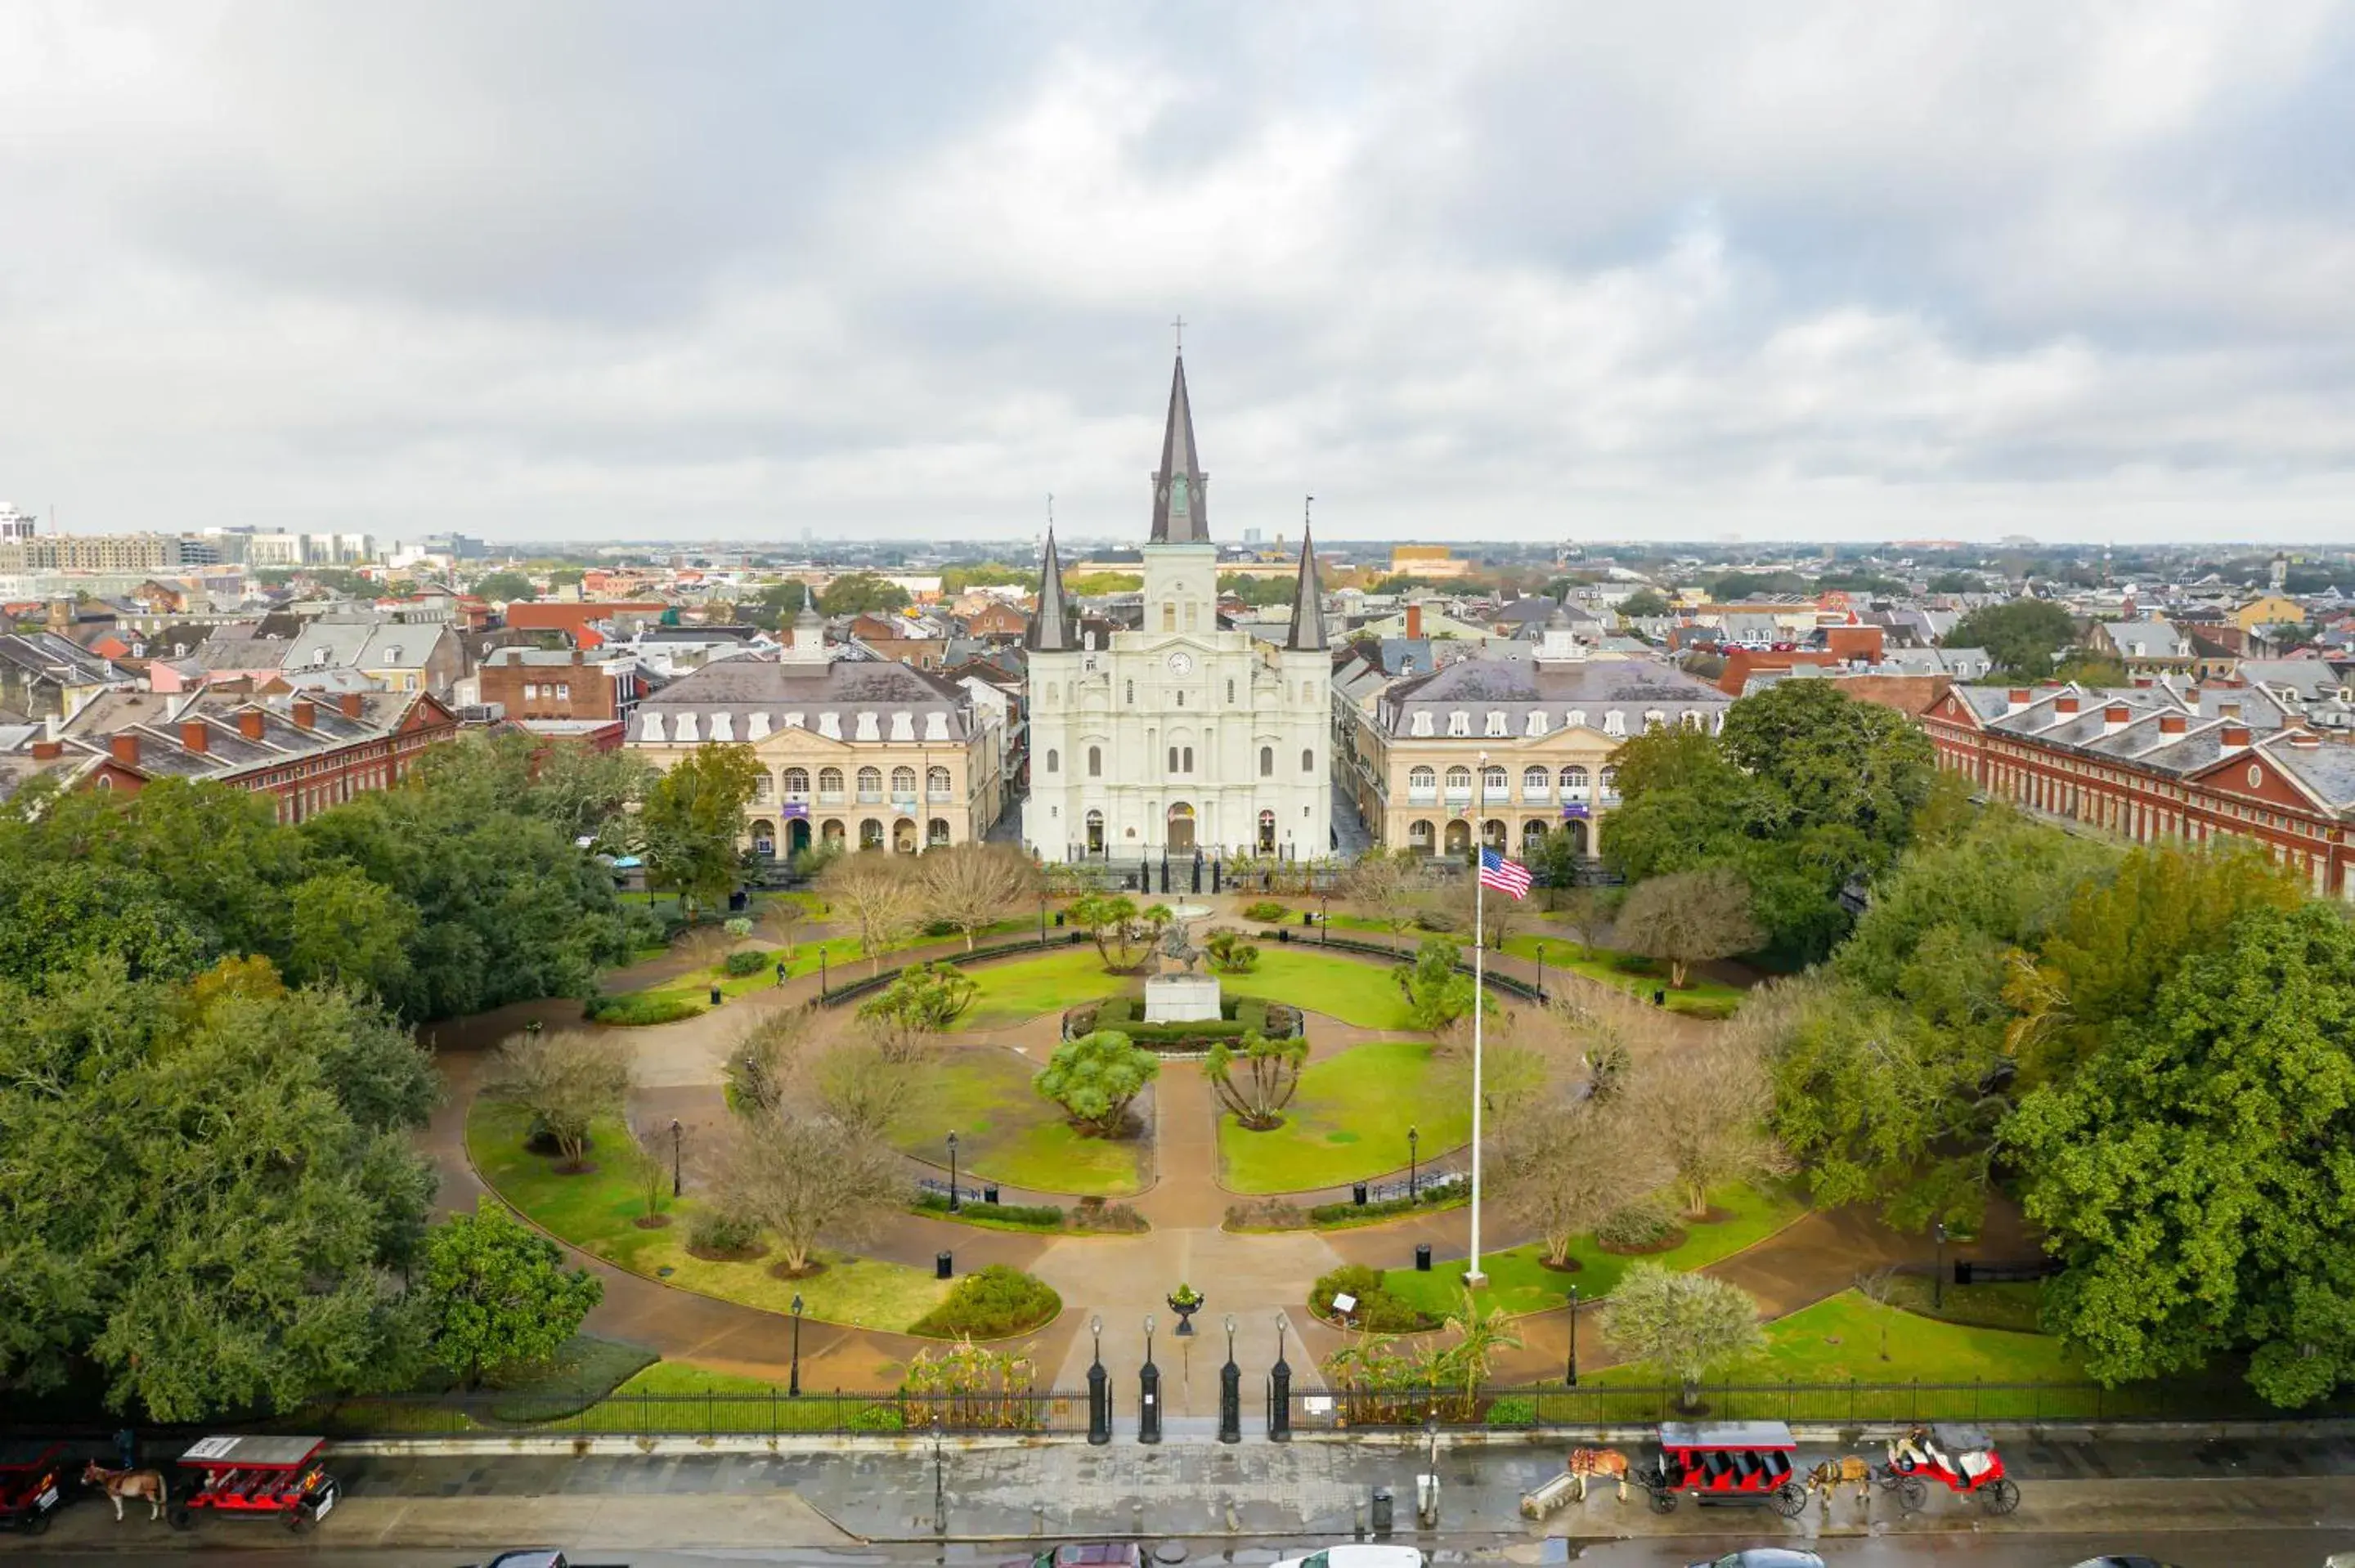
{"x": 1504, "y": 875}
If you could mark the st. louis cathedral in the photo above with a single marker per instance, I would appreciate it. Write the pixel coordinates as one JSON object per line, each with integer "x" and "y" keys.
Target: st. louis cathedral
{"x": 1179, "y": 736}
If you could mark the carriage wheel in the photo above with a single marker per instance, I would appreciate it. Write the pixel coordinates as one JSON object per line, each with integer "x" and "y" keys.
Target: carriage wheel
{"x": 35, "y": 1522}
{"x": 1913, "y": 1493}
{"x": 296, "y": 1521}
{"x": 1790, "y": 1500}
{"x": 178, "y": 1516}
{"x": 1663, "y": 1500}
{"x": 2002, "y": 1495}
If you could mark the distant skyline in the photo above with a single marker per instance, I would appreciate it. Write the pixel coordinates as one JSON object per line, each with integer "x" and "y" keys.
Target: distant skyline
{"x": 546, "y": 270}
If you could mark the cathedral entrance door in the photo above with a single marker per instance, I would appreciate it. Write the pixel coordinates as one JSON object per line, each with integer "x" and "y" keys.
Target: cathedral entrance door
{"x": 1096, "y": 832}
{"x": 1181, "y": 827}
{"x": 1267, "y": 832}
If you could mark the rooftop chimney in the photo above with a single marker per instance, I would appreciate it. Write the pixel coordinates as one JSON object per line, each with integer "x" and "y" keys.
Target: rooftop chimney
{"x": 2227, "y": 710}
{"x": 125, "y": 747}
{"x": 2171, "y": 723}
{"x": 349, "y": 704}
{"x": 2115, "y": 717}
{"x": 195, "y": 737}
{"x": 2143, "y": 682}
{"x": 1414, "y": 620}
{"x": 2066, "y": 706}
{"x": 2236, "y": 738}
{"x": 48, "y": 749}
{"x": 2017, "y": 699}
{"x": 249, "y": 724}
{"x": 306, "y": 715}
{"x": 2303, "y": 737}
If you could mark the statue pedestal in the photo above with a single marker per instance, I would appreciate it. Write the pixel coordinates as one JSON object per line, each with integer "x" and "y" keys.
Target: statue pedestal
{"x": 1181, "y": 999}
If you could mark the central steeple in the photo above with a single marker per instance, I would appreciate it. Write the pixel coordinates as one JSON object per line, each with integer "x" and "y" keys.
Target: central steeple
{"x": 1180, "y": 489}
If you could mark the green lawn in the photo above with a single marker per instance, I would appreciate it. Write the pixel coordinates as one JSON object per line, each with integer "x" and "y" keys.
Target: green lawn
{"x": 1518, "y": 1282}
{"x": 1563, "y": 952}
{"x": 1354, "y": 990}
{"x": 843, "y": 960}
{"x": 1016, "y": 989}
{"x": 1348, "y": 1120}
{"x": 595, "y": 1212}
{"x": 1007, "y": 1133}
{"x": 1839, "y": 1340}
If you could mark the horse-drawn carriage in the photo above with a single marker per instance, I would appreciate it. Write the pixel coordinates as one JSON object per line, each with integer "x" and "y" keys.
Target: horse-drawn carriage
{"x": 34, "y": 1482}
{"x": 1964, "y": 1457}
{"x": 277, "y": 1478}
{"x": 1726, "y": 1464}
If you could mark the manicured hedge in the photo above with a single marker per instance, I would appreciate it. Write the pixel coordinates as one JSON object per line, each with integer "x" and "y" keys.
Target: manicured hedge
{"x": 1444, "y": 1195}
{"x": 639, "y": 1008}
{"x": 1039, "y": 1216}
{"x": 997, "y": 1302}
{"x": 746, "y": 961}
{"x": 1239, "y": 1016}
{"x": 1377, "y": 1311}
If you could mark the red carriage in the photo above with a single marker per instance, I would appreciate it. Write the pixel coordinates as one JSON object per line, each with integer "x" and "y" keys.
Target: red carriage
{"x": 278, "y": 1478}
{"x": 1964, "y": 1457}
{"x": 35, "y": 1482}
{"x": 1726, "y": 1464}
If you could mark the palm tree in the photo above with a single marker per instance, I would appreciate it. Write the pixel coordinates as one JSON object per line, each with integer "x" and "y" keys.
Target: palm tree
{"x": 1478, "y": 1337}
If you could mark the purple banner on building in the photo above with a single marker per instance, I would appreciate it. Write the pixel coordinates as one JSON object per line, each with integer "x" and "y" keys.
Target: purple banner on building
{"x": 794, "y": 809}
{"x": 1573, "y": 809}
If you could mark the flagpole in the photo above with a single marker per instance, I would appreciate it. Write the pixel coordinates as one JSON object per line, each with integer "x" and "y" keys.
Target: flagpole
{"x": 1473, "y": 1278}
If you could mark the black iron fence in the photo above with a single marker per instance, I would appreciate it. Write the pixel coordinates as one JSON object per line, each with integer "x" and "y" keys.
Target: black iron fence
{"x": 773, "y": 1413}
{"x": 1540, "y": 1408}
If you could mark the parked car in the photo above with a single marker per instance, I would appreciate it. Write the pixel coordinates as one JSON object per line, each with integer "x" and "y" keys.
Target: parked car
{"x": 1085, "y": 1555}
{"x": 1764, "y": 1557}
{"x": 1355, "y": 1554}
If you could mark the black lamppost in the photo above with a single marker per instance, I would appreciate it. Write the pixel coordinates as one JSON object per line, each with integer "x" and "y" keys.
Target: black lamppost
{"x": 1540, "y": 971}
{"x": 1279, "y": 1391}
{"x": 1042, "y": 919}
{"x": 1413, "y": 1161}
{"x": 794, "y": 1385}
{"x": 1230, "y": 1392}
{"x": 1325, "y": 918}
{"x": 1938, "y": 1268}
{"x": 1569, "y": 1376}
{"x": 676, "y": 1134}
{"x": 953, "y": 1205}
{"x": 1099, "y": 1390}
{"x": 1148, "y": 1388}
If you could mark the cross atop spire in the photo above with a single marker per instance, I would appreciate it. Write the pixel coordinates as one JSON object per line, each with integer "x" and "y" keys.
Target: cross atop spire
{"x": 1180, "y": 325}
{"x": 1180, "y": 498}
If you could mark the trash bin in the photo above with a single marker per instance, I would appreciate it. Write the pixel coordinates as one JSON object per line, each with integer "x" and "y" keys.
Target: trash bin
{"x": 940, "y": 1269}
{"x": 1383, "y": 1511}
{"x": 1422, "y": 1257}
{"x": 989, "y": 1192}
{"x": 1309, "y": 917}
{"x": 715, "y": 996}
{"x": 1059, "y": 918}
{"x": 1962, "y": 1271}
{"x": 1660, "y": 998}
{"x": 1357, "y": 1193}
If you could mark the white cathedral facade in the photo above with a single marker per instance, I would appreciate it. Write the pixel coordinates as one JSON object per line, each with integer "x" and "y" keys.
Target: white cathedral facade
{"x": 1177, "y": 736}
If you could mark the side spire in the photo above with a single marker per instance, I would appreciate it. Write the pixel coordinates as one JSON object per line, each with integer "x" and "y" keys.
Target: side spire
{"x": 1308, "y": 603}
{"x": 1053, "y": 630}
{"x": 1181, "y": 489}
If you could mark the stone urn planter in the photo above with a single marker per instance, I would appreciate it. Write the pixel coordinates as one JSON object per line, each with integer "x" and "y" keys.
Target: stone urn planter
{"x": 1185, "y": 1301}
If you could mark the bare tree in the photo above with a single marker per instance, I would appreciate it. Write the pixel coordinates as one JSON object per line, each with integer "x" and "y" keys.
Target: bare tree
{"x": 782, "y": 915}
{"x": 1585, "y": 913}
{"x": 1500, "y": 915}
{"x": 1705, "y": 1110}
{"x": 973, "y": 886}
{"x": 799, "y": 1178}
{"x": 1390, "y": 887}
{"x": 1562, "y": 1169}
{"x": 1878, "y": 1286}
{"x": 1687, "y": 917}
{"x": 766, "y": 1058}
{"x": 875, "y": 1079}
{"x": 567, "y": 1081}
{"x": 651, "y": 1150}
{"x": 878, "y": 893}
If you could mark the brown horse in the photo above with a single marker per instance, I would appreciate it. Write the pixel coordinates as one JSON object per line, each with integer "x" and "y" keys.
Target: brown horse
{"x": 120, "y": 1484}
{"x": 1589, "y": 1462}
{"x": 1846, "y": 1470}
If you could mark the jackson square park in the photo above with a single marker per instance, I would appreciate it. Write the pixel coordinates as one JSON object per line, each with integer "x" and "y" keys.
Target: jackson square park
{"x": 1829, "y": 1094}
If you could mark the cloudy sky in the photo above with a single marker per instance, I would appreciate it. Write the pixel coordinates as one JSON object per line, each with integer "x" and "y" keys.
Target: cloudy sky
{"x": 686, "y": 270}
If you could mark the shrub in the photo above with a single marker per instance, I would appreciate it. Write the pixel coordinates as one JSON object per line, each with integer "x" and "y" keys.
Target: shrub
{"x": 1265, "y": 1215}
{"x": 941, "y": 928}
{"x": 1264, "y": 909}
{"x": 991, "y": 1305}
{"x": 639, "y": 1008}
{"x": 718, "y": 1231}
{"x": 1230, "y": 954}
{"x": 1635, "y": 964}
{"x": 926, "y": 996}
{"x": 737, "y": 927}
{"x": 1718, "y": 1010}
{"x": 1377, "y": 1311}
{"x": 1434, "y": 1195}
{"x": 1513, "y": 1410}
{"x": 750, "y": 962}
{"x": 1041, "y": 1216}
{"x": 1635, "y": 1227}
{"x": 1113, "y": 1219}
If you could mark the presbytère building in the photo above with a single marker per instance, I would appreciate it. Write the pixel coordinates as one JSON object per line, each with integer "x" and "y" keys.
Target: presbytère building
{"x": 309, "y": 753}
{"x": 2162, "y": 763}
{"x": 1512, "y": 745}
{"x": 857, "y": 752}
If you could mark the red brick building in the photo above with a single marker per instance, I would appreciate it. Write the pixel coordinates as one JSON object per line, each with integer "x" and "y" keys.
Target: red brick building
{"x": 536, "y": 685}
{"x": 2162, "y": 763}
{"x": 310, "y": 752}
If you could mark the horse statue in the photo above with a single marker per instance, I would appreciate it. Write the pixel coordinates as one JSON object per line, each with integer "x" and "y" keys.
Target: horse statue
{"x": 1586, "y": 1463}
{"x": 134, "y": 1484}
{"x": 1175, "y": 945}
{"x": 1846, "y": 1470}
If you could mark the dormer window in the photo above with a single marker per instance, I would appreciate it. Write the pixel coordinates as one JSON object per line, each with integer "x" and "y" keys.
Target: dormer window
{"x": 1422, "y": 725}
{"x": 1459, "y": 721}
{"x": 1537, "y": 725}
{"x": 1496, "y": 722}
{"x": 1615, "y": 723}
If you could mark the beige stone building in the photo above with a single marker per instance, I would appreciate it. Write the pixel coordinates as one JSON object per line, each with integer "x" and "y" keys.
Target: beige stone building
{"x": 1514, "y": 744}
{"x": 857, "y": 752}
